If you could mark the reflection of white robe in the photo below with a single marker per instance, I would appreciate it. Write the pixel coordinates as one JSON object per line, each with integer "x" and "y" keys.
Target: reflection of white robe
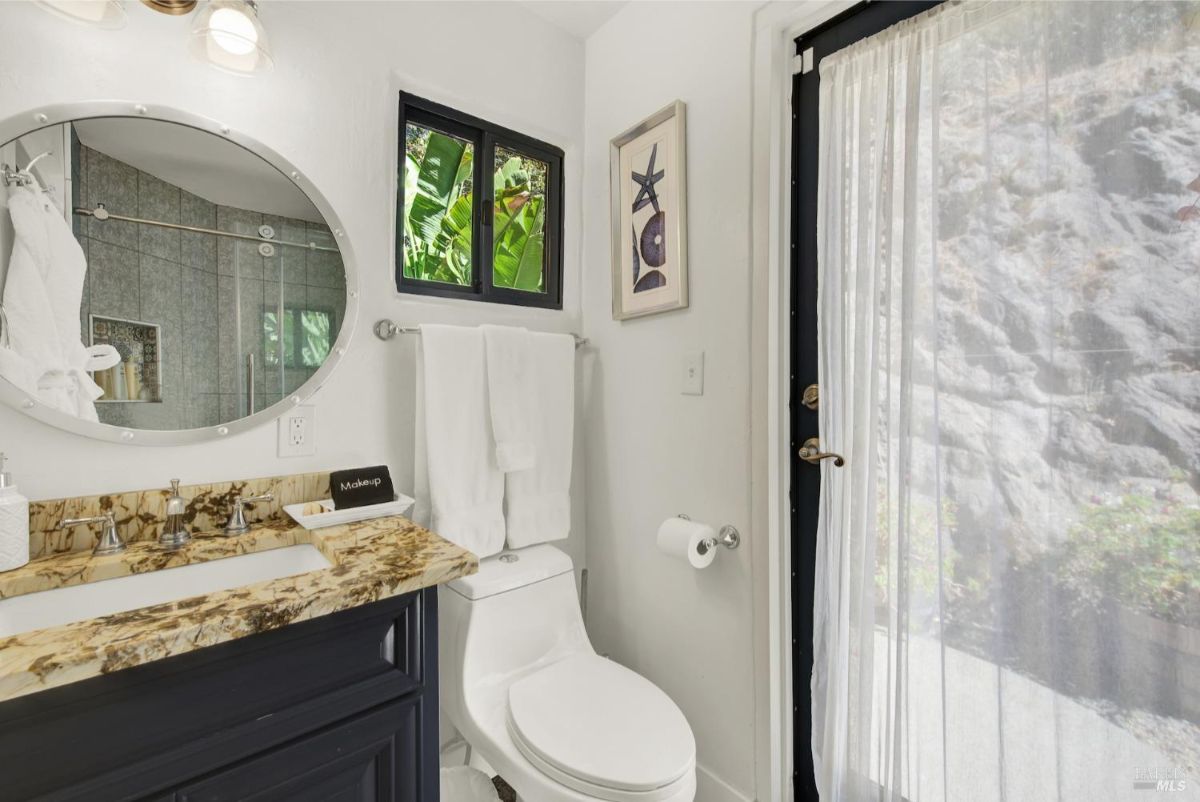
{"x": 41, "y": 351}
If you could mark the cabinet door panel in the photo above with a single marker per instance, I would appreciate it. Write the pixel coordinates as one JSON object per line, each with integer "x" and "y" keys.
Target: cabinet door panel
{"x": 191, "y": 714}
{"x": 371, "y": 758}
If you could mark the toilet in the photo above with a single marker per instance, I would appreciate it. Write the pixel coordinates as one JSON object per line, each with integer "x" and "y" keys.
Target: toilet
{"x": 526, "y": 690}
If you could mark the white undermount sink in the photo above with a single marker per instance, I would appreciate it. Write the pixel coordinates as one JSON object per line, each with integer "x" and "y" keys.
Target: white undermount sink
{"x": 51, "y": 608}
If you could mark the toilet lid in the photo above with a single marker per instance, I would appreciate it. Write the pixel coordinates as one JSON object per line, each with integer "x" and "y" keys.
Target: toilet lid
{"x": 600, "y": 723}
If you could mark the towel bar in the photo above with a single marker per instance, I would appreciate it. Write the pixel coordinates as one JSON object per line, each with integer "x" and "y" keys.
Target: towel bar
{"x": 386, "y": 330}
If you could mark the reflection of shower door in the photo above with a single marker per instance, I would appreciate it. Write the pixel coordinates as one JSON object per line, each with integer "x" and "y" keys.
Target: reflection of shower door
{"x": 288, "y": 297}
{"x": 270, "y": 309}
{"x": 1010, "y": 301}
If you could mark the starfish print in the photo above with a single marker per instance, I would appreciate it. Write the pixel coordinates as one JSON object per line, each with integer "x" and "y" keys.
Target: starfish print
{"x": 646, "y": 182}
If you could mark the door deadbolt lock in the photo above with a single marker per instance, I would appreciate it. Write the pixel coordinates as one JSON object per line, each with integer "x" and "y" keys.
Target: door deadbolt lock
{"x": 811, "y": 453}
{"x": 811, "y": 397}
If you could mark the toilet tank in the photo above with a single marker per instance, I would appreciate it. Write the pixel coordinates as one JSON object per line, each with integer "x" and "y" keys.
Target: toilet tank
{"x": 520, "y": 611}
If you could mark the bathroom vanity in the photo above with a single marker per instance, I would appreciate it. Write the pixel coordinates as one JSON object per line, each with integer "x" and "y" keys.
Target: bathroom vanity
{"x": 214, "y": 294}
{"x": 319, "y": 685}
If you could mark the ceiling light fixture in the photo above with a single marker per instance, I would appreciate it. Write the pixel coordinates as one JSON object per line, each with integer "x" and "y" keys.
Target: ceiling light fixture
{"x": 228, "y": 35}
{"x": 174, "y": 8}
{"x": 108, "y": 14}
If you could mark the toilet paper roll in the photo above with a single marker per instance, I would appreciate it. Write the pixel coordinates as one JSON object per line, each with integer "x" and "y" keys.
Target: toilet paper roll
{"x": 680, "y": 537}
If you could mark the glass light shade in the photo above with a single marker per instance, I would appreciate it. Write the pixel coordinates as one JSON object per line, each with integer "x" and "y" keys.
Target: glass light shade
{"x": 108, "y": 14}
{"x": 228, "y": 35}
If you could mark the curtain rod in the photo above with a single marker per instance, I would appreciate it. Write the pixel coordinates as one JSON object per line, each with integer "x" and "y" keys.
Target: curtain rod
{"x": 100, "y": 213}
{"x": 386, "y": 330}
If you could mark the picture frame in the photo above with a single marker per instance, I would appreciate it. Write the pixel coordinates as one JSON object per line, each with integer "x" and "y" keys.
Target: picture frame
{"x": 648, "y": 193}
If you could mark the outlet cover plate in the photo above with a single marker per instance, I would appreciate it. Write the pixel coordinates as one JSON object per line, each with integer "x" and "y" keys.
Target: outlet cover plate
{"x": 298, "y": 432}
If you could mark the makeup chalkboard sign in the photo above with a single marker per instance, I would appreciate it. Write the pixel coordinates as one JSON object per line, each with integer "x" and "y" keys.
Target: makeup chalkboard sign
{"x": 358, "y": 487}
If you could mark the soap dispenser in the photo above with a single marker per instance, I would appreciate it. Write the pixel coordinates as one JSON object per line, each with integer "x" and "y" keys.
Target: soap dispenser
{"x": 14, "y": 523}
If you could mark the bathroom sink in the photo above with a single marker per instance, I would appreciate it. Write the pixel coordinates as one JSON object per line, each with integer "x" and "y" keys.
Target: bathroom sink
{"x": 51, "y": 608}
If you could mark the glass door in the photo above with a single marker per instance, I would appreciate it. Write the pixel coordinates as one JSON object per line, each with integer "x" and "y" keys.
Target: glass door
{"x": 997, "y": 226}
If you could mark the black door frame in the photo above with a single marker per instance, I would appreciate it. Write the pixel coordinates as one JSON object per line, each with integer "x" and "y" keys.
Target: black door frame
{"x": 857, "y": 22}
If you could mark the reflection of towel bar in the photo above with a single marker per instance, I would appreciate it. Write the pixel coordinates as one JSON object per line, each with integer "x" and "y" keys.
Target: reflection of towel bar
{"x": 386, "y": 330}
{"x": 100, "y": 213}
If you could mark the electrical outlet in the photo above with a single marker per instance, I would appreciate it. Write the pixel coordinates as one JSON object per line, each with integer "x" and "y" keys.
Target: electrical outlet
{"x": 693, "y": 373}
{"x": 298, "y": 432}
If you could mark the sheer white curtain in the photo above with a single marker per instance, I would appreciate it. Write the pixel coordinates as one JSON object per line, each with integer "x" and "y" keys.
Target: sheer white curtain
{"x": 1008, "y": 589}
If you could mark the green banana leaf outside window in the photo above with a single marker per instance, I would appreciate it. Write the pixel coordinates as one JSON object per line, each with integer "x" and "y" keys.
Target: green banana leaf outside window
{"x": 479, "y": 209}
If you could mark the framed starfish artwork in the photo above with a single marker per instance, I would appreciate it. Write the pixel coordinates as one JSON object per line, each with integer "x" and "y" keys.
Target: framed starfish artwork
{"x": 647, "y": 167}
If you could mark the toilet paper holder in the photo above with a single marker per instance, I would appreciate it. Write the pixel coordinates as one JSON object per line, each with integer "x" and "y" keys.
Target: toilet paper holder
{"x": 727, "y": 536}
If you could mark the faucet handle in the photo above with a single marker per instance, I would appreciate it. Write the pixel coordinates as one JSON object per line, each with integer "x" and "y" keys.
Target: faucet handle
{"x": 110, "y": 541}
{"x": 103, "y": 518}
{"x": 237, "y": 515}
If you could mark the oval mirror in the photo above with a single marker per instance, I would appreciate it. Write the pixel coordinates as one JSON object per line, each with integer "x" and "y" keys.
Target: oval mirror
{"x": 162, "y": 280}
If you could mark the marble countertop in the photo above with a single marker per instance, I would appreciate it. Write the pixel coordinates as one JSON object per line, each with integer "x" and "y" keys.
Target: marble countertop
{"x": 371, "y": 560}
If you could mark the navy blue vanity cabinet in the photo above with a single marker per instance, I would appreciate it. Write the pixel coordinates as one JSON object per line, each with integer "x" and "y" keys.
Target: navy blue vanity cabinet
{"x": 368, "y": 758}
{"x": 342, "y": 707}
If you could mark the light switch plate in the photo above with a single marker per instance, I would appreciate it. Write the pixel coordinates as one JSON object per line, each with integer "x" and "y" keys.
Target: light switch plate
{"x": 298, "y": 432}
{"x": 693, "y": 373}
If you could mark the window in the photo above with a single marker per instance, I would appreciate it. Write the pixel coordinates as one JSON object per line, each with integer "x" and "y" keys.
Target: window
{"x": 479, "y": 209}
{"x": 304, "y": 341}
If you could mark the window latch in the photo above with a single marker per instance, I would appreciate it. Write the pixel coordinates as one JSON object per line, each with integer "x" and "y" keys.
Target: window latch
{"x": 486, "y": 212}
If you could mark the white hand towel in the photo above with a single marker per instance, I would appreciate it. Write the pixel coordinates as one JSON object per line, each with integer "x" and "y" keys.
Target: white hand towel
{"x": 538, "y": 499}
{"x": 515, "y": 407}
{"x": 466, "y": 488}
{"x": 422, "y": 511}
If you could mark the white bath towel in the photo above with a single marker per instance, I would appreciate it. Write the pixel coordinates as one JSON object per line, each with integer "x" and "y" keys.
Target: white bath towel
{"x": 465, "y": 486}
{"x": 515, "y": 404}
{"x": 538, "y": 500}
{"x": 42, "y": 295}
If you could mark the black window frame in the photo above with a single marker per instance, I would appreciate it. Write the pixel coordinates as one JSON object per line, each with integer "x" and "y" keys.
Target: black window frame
{"x": 485, "y": 137}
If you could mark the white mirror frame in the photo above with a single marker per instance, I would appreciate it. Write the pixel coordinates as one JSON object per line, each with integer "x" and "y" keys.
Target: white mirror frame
{"x": 17, "y": 126}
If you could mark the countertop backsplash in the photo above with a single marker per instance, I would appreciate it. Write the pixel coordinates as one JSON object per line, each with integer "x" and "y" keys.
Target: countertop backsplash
{"x": 140, "y": 513}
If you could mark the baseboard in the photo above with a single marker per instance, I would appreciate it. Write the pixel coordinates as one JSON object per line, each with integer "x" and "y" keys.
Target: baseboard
{"x": 711, "y": 788}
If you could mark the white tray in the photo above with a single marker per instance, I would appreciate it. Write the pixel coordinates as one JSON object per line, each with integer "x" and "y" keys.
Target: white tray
{"x": 333, "y": 517}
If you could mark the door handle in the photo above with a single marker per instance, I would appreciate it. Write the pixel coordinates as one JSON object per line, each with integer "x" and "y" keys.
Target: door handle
{"x": 811, "y": 453}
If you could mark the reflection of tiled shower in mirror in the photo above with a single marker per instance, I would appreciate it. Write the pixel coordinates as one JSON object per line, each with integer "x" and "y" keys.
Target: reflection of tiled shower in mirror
{"x": 289, "y": 309}
{"x": 244, "y": 305}
{"x": 278, "y": 311}
{"x": 208, "y": 276}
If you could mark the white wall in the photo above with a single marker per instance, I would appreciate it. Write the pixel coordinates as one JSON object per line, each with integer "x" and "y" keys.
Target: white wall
{"x": 652, "y": 452}
{"x": 330, "y": 108}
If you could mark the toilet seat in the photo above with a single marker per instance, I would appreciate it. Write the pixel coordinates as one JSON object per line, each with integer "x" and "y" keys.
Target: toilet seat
{"x": 601, "y": 729}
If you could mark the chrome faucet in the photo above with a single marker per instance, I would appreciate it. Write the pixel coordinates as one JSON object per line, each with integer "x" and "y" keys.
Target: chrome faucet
{"x": 110, "y": 541}
{"x": 175, "y": 532}
{"x": 237, "y": 515}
